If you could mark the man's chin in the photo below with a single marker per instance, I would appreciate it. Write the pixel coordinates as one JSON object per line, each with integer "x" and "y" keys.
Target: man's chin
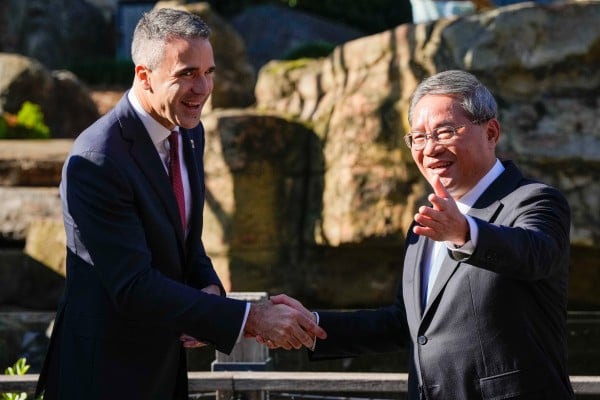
{"x": 189, "y": 123}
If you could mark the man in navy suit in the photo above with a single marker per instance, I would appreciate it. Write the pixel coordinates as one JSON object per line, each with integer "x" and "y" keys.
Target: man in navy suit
{"x": 140, "y": 287}
{"x": 482, "y": 301}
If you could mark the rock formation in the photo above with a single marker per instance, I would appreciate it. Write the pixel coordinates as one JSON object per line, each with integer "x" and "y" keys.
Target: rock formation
{"x": 312, "y": 189}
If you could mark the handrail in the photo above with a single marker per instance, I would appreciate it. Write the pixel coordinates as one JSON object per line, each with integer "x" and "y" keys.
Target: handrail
{"x": 316, "y": 382}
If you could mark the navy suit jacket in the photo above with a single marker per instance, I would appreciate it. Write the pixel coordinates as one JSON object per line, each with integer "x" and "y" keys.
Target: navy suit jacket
{"x": 133, "y": 281}
{"x": 495, "y": 323}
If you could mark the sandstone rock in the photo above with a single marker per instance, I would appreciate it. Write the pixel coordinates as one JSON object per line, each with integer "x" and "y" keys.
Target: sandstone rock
{"x": 32, "y": 162}
{"x": 235, "y": 77}
{"x": 26, "y": 283}
{"x": 57, "y": 33}
{"x": 259, "y": 175}
{"x": 313, "y": 189}
{"x": 271, "y": 31}
{"x": 46, "y": 243}
{"x": 546, "y": 84}
{"x": 21, "y": 205}
{"x": 65, "y": 102}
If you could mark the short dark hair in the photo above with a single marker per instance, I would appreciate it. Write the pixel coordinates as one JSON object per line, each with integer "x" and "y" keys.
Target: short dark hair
{"x": 157, "y": 26}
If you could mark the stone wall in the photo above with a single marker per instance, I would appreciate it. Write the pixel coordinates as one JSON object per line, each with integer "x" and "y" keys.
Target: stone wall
{"x": 310, "y": 191}
{"x": 541, "y": 62}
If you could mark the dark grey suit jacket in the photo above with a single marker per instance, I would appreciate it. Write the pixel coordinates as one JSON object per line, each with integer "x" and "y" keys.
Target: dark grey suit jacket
{"x": 133, "y": 281}
{"x": 495, "y": 324}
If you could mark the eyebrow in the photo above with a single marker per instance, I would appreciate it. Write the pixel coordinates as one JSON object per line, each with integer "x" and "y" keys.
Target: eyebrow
{"x": 439, "y": 124}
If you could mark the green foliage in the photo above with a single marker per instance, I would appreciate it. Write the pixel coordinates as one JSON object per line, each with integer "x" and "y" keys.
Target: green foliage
{"x": 31, "y": 118}
{"x": 19, "y": 368}
{"x": 27, "y": 124}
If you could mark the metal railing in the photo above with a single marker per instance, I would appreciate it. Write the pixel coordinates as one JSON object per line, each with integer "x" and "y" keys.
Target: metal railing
{"x": 306, "y": 382}
{"x": 247, "y": 370}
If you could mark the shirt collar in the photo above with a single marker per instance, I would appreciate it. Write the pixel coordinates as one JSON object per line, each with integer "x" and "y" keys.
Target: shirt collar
{"x": 466, "y": 202}
{"x": 157, "y": 132}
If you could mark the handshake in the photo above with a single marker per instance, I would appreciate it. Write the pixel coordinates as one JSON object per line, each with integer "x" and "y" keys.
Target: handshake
{"x": 282, "y": 322}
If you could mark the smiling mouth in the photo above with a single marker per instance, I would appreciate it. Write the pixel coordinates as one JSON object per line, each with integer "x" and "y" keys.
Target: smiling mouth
{"x": 191, "y": 105}
{"x": 439, "y": 167}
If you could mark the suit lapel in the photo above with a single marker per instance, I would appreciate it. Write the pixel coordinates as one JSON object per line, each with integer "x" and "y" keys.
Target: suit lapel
{"x": 486, "y": 208}
{"x": 189, "y": 142}
{"x": 412, "y": 277}
{"x": 449, "y": 265}
{"x": 144, "y": 154}
{"x": 446, "y": 271}
{"x": 193, "y": 147}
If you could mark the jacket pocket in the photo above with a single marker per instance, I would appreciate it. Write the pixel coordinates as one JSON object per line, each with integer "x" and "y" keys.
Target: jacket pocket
{"x": 503, "y": 386}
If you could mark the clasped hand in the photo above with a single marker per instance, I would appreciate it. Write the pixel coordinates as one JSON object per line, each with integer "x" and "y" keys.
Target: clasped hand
{"x": 280, "y": 322}
{"x": 283, "y": 322}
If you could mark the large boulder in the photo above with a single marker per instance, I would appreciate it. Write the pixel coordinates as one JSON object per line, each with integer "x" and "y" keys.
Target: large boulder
{"x": 235, "y": 77}
{"x": 57, "y": 33}
{"x": 546, "y": 84}
{"x": 271, "y": 32}
{"x": 66, "y": 102}
{"x": 313, "y": 189}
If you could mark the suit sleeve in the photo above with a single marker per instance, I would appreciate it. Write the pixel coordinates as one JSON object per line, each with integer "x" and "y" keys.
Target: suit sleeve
{"x": 110, "y": 233}
{"x": 352, "y": 333}
{"x": 532, "y": 243}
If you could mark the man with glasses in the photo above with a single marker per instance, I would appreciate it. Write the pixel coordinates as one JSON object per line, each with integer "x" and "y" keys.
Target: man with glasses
{"x": 482, "y": 302}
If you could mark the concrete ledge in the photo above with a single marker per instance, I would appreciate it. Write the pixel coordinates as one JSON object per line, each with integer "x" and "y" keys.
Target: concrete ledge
{"x": 29, "y": 162}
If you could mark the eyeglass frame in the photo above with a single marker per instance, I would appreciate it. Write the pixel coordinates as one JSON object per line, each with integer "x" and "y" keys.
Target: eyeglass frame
{"x": 433, "y": 136}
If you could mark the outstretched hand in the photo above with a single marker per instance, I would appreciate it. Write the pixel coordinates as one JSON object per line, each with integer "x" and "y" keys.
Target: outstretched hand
{"x": 282, "y": 325}
{"x": 291, "y": 302}
{"x": 443, "y": 221}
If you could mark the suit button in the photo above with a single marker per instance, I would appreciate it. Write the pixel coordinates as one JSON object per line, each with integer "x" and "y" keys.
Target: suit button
{"x": 422, "y": 340}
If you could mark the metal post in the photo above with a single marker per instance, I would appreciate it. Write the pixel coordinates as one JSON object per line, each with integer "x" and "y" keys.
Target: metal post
{"x": 247, "y": 355}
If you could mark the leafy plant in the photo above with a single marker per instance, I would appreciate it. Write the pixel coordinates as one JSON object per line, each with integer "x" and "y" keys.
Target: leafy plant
{"x": 19, "y": 368}
{"x": 28, "y": 123}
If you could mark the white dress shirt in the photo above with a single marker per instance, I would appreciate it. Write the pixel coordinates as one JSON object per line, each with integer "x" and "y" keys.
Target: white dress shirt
{"x": 435, "y": 250}
{"x": 160, "y": 137}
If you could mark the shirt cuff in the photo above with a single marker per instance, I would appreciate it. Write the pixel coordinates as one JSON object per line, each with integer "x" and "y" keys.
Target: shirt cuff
{"x": 469, "y": 247}
{"x": 241, "y": 334}
{"x": 315, "y": 338}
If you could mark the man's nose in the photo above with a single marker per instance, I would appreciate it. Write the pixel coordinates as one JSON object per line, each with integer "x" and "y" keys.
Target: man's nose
{"x": 202, "y": 85}
{"x": 431, "y": 146}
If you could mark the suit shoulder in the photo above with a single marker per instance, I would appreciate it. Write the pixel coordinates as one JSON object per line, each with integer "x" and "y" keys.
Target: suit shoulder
{"x": 100, "y": 136}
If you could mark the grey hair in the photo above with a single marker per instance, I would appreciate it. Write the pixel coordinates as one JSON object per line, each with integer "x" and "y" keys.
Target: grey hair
{"x": 475, "y": 99}
{"x": 156, "y": 27}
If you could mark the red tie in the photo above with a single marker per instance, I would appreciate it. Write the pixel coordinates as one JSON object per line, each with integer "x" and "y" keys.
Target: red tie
{"x": 175, "y": 174}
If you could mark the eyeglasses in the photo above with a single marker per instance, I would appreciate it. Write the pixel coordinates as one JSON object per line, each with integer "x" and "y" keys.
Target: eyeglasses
{"x": 441, "y": 135}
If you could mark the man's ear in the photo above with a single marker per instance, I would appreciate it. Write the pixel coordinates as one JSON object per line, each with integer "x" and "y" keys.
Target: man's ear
{"x": 493, "y": 130}
{"x": 142, "y": 74}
